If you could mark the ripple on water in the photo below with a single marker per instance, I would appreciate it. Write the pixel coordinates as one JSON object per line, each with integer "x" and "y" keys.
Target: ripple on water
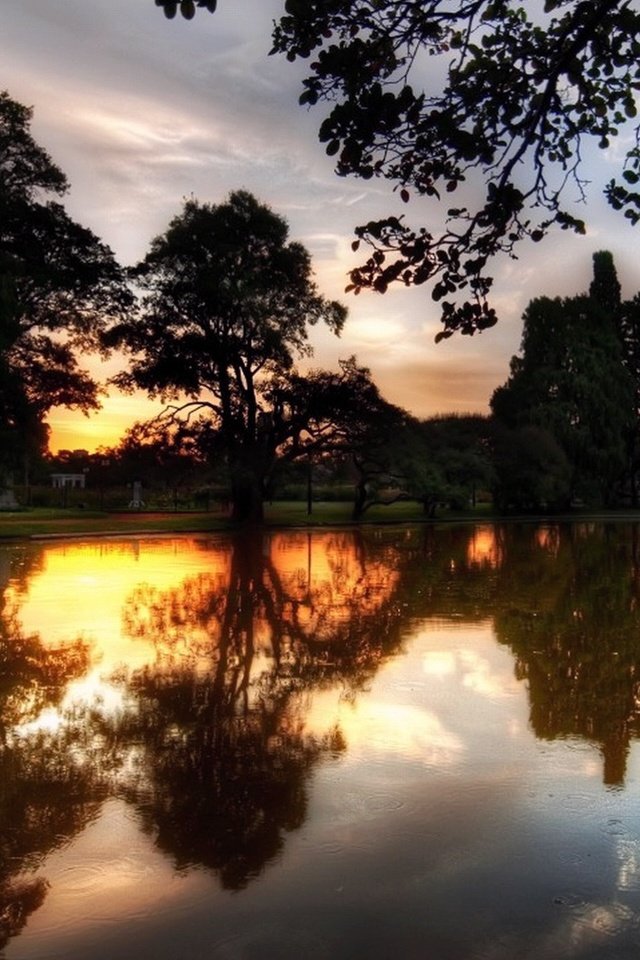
{"x": 272, "y": 941}
{"x": 368, "y": 805}
{"x": 608, "y": 920}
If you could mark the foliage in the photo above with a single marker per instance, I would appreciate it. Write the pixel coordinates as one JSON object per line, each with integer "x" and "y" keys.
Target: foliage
{"x": 227, "y": 309}
{"x": 571, "y": 381}
{"x": 187, "y": 7}
{"x": 58, "y": 286}
{"x": 499, "y": 122}
{"x": 531, "y": 470}
{"x": 456, "y": 461}
{"x": 517, "y": 94}
{"x": 344, "y": 414}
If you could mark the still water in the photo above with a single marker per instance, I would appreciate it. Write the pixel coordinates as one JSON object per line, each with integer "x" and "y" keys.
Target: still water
{"x": 389, "y": 743}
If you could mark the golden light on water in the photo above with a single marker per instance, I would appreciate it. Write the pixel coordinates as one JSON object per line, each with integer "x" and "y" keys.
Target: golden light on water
{"x": 245, "y": 711}
{"x": 484, "y": 547}
{"x": 164, "y": 603}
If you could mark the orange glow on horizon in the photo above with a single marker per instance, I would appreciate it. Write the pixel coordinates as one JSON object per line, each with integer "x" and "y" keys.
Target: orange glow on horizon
{"x": 72, "y": 430}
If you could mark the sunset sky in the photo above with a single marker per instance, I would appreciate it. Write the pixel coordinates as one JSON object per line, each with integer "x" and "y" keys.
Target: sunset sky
{"x": 140, "y": 112}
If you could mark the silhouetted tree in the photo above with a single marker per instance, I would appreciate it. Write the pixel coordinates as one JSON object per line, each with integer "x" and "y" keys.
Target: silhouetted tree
{"x": 58, "y": 286}
{"x": 167, "y": 455}
{"x": 571, "y": 381}
{"x": 457, "y": 460}
{"x": 605, "y": 290}
{"x": 531, "y": 470}
{"x": 345, "y": 414}
{"x": 228, "y": 306}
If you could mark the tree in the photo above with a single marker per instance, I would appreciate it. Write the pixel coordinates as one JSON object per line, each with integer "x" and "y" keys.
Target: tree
{"x": 531, "y": 470}
{"x": 629, "y": 321}
{"x": 58, "y": 286}
{"x": 161, "y": 454}
{"x": 605, "y": 289}
{"x": 571, "y": 381}
{"x": 344, "y": 414}
{"x": 457, "y": 461}
{"x": 501, "y": 123}
{"x": 227, "y": 308}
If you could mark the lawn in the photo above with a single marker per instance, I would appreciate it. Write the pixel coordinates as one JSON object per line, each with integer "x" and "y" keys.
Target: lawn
{"x": 47, "y": 522}
{"x": 50, "y": 522}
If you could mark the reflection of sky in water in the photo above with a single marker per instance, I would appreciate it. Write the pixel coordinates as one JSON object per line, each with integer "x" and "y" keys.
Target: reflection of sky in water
{"x": 444, "y": 830}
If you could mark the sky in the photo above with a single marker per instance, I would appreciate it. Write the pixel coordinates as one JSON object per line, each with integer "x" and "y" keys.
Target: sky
{"x": 141, "y": 112}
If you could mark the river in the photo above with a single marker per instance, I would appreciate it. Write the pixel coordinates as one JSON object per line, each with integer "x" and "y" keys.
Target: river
{"x": 411, "y": 742}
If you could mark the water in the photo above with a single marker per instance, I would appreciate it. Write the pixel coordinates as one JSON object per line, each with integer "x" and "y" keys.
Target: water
{"x": 391, "y": 743}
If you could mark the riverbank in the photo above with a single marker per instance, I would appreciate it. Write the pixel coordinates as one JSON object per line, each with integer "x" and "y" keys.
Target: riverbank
{"x": 50, "y": 523}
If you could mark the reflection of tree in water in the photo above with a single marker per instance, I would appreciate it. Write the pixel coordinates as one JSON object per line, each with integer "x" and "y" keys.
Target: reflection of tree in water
{"x": 220, "y": 716}
{"x": 575, "y": 631}
{"x": 566, "y": 600}
{"x": 212, "y": 747}
{"x": 45, "y": 797}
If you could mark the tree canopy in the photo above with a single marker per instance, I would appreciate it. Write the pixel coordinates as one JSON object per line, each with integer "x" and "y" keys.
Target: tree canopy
{"x": 227, "y": 306}
{"x": 483, "y": 108}
{"x": 58, "y": 286}
{"x": 571, "y": 380}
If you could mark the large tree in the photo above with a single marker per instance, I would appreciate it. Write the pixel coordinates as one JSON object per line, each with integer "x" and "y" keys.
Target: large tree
{"x": 571, "y": 381}
{"x": 58, "y": 286}
{"x": 227, "y": 305}
{"x": 487, "y": 103}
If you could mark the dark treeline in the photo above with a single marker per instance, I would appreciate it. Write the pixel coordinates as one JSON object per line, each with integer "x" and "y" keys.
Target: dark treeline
{"x": 214, "y": 322}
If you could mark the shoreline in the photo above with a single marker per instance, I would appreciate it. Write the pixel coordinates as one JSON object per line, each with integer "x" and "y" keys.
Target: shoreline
{"x": 27, "y": 527}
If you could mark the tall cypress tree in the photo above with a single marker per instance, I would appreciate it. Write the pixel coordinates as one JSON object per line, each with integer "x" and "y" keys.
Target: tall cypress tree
{"x": 605, "y": 288}
{"x": 572, "y": 380}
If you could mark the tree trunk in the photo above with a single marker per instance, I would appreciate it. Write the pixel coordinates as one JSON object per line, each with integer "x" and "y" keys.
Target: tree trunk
{"x": 247, "y": 500}
{"x": 359, "y": 501}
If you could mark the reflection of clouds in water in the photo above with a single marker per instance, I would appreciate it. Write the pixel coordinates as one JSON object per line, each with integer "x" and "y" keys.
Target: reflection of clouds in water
{"x": 479, "y": 677}
{"x": 439, "y": 663}
{"x": 596, "y": 921}
{"x": 466, "y": 668}
{"x": 374, "y": 728}
{"x": 402, "y": 731}
{"x": 48, "y": 721}
{"x": 94, "y": 691}
{"x": 628, "y": 854}
{"x": 587, "y": 927}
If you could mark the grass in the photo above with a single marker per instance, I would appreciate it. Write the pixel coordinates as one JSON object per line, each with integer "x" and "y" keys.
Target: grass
{"x": 46, "y": 522}
{"x": 49, "y": 522}
{"x": 52, "y": 522}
